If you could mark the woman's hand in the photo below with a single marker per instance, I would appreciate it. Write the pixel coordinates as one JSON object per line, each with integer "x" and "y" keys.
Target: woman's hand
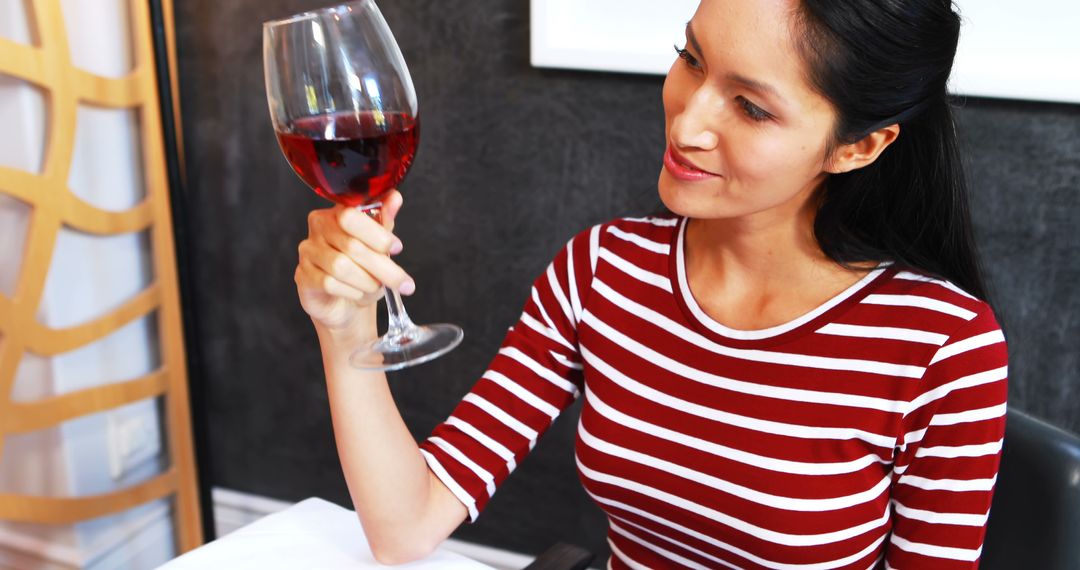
{"x": 344, "y": 264}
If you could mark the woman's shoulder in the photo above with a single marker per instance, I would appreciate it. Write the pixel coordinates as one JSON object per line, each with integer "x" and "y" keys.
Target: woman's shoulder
{"x": 941, "y": 304}
{"x": 664, "y": 222}
{"x": 637, "y": 240}
{"x": 965, "y": 345}
{"x": 655, "y": 232}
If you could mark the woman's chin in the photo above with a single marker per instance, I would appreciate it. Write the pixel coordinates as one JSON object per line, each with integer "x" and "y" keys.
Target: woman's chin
{"x": 686, "y": 201}
{"x": 670, "y": 195}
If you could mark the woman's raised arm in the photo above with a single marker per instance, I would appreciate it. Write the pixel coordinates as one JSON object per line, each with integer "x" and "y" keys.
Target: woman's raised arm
{"x": 405, "y": 510}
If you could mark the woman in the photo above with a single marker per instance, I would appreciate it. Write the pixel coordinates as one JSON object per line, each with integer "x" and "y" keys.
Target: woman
{"x": 795, "y": 369}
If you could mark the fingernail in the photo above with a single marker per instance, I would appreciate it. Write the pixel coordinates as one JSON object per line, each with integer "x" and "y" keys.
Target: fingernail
{"x": 407, "y": 288}
{"x": 396, "y": 247}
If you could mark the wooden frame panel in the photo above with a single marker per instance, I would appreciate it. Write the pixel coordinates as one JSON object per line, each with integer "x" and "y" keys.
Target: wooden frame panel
{"x": 48, "y": 66}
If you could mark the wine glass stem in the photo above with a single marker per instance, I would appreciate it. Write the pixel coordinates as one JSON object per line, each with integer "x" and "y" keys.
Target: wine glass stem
{"x": 399, "y": 322}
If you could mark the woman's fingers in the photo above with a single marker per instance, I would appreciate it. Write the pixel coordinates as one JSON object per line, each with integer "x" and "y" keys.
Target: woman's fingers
{"x": 339, "y": 266}
{"x": 345, "y": 262}
{"x": 362, "y": 227}
{"x": 354, "y": 249}
{"x": 309, "y": 277}
{"x": 377, "y": 265}
{"x": 391, "y": 206}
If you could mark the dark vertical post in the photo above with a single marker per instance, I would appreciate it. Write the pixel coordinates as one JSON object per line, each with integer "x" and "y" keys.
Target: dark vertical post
{"x": 177, "y": 198}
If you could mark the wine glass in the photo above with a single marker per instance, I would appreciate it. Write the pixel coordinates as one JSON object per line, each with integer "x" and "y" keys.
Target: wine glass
{"x": 345, "y": 113}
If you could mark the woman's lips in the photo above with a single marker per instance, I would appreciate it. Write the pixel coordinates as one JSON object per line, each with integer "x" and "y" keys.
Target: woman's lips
{"x": 678, "y": 167}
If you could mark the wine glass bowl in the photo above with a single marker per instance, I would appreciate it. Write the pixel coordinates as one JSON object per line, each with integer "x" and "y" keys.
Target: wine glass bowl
{"x": 364, "y": 156}
{"x": 345, "y": 112}
{"x": 341, "y": 100}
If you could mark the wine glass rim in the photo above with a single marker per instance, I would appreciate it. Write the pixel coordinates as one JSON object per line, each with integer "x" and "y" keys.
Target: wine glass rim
{"x": 309, "y": 14}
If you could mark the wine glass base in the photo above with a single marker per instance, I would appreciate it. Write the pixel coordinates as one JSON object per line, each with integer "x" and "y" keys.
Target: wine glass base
{"x": 416, "y": 345}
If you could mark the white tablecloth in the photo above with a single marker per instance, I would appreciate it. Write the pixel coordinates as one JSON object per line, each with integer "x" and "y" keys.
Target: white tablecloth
{"x": 312, "y": 534}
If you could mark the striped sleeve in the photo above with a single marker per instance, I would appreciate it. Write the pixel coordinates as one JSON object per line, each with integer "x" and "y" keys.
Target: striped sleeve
{"x": 948, "y": 452}
{"x": 536, "y": 374}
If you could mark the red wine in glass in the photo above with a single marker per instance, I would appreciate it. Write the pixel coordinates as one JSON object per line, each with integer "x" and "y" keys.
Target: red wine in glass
{"x": 348, "y": 157}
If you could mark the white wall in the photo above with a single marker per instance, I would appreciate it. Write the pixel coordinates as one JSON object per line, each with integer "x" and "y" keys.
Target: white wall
{"x": 1011, "y": 50}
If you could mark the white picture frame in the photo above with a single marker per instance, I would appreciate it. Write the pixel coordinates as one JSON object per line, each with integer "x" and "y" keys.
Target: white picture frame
{"x": 1028, "y": 51}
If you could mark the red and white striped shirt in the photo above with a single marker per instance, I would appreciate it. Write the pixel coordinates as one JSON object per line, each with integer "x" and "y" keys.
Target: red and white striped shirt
{"x": 865, "y": 434}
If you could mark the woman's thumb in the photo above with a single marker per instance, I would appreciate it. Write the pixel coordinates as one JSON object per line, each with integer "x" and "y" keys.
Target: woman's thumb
{"x": 391, "y": 206}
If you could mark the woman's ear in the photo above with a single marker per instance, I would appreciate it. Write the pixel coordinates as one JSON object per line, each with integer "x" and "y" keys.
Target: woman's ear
{"x": 858, "y": 154}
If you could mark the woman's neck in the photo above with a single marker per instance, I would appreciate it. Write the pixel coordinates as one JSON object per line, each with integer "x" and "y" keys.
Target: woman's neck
{"x": 760, "y": 271}
{"x": 763, "y": 248}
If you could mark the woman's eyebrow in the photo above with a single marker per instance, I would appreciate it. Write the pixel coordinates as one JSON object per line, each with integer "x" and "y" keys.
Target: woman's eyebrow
{"x": 753, "y": 84}
{"x": 692, "y": 39}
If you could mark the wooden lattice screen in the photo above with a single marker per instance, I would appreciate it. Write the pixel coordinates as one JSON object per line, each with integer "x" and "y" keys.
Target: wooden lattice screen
{"x": 48, "y": 66}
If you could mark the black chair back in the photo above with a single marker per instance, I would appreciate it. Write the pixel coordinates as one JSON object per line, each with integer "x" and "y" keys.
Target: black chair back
{"x": 1035, "y": 517}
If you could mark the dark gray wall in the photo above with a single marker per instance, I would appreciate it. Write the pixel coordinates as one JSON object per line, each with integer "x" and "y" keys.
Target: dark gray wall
{"x": 513, "y": 162}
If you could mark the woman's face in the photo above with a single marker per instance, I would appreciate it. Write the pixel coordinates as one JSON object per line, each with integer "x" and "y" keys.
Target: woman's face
{"x": 746, "y": 134}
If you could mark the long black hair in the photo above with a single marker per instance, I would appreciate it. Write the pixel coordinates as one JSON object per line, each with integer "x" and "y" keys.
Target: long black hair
{"x": 884, "y": 62}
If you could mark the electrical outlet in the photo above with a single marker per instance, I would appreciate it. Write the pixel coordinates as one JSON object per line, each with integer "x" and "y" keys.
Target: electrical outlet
{"x": 133, "y": 439}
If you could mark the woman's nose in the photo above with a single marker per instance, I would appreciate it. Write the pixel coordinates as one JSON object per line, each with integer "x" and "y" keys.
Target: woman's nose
{"x": 697, "y": 125}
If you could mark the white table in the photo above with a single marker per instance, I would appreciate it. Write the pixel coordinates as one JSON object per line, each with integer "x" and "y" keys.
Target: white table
{"x": 312, "y": 534}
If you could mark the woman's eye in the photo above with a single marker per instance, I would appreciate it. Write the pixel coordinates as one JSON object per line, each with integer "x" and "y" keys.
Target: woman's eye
{"x": 686, "y": 56}
{"x": 752, "y": 111}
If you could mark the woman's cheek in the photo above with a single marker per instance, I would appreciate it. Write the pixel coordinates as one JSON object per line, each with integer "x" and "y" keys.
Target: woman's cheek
{"x": 757, "y": 158}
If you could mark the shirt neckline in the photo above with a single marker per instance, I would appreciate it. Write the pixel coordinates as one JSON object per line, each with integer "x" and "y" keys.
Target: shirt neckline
{"x": 807, "y": 322}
